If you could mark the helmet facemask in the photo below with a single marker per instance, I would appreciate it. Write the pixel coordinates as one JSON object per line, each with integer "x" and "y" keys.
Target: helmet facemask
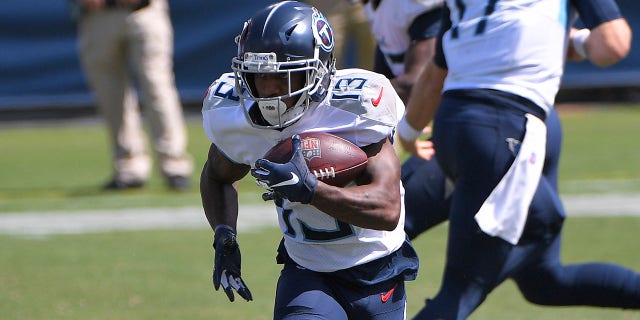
{"x": 274, "y": 109}
{"x": 288, "y": 44}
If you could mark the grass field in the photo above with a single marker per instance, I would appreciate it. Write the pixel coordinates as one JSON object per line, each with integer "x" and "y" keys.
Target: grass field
{"x": 61, "y": 166}
{"x": 166, "y": 274}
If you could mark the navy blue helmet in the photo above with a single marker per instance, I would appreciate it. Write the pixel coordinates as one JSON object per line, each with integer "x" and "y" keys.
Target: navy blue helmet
{"x": 285, "y": 37}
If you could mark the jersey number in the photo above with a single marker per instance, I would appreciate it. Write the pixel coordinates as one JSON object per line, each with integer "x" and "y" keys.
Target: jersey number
{"x": 342, "y": 230}
{"x": 482, "y": 24}
{"x": 352, "y": 87}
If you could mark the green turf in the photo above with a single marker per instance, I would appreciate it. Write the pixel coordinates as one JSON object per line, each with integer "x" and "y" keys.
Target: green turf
{"x": 61, "y": 166}
{"x": 167, "y": 274}
{"x": 600, "y": 151}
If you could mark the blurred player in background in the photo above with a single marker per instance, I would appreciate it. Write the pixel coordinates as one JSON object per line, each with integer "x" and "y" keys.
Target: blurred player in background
{"x": 405, "y": 33}
{"x": 506, "y": 215}
{"x": 344, "y": 250}
{"x": 124, "y": 45}
{"x": 427, "y": 189}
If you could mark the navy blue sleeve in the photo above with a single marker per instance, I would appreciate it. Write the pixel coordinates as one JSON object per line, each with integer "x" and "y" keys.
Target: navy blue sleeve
{"x": 445, "y": 24}
{"x": 426, "y": 25}
{"x": 595, "y": 12}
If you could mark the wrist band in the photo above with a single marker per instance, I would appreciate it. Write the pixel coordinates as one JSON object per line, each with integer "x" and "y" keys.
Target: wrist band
{"x": 579, "y": 37}
{"x": 406, "y": 131}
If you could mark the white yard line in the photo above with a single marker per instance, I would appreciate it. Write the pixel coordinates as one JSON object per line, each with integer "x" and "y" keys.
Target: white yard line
{"x": 41, "y": 224}
{"x": 250, "y": 217}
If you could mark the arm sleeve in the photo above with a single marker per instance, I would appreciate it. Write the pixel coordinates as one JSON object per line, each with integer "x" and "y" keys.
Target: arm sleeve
{"x": 426, "y": 25}
{"x": 595, "y": 12}
{"x": 445, "y": 24}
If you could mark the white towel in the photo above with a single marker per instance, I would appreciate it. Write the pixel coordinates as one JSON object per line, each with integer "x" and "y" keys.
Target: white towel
{"x": 504, "y": 213}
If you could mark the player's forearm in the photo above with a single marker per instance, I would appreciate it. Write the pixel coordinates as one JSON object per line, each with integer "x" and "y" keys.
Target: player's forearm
{"x": 607, "y": 43}
{"x": 375, "y": 203}
{"x": 370, "y": 206}
{"x": 425, "y": 97}
{"x": 220, "y": 201}
{"x": 417, "y": 57}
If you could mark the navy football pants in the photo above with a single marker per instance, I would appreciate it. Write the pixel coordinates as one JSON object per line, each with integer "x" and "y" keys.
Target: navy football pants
{"x": 535, "y": 262}
{"x": 304, "y": 294}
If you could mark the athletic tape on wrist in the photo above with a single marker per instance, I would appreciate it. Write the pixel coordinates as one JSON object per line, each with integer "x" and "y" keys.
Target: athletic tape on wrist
{"x": 406, "y": 131}
{"x": 578, "y": 39}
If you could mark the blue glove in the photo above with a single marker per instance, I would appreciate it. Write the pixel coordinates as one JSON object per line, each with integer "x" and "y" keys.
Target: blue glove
{"x": 291, "y": 180}
{"x": 226, "y": 267}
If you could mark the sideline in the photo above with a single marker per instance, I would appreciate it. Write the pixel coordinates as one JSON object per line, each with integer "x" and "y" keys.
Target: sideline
{"x": 251, "y": 217}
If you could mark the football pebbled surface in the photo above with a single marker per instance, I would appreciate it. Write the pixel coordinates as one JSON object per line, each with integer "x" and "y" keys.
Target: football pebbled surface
{"x": 334, "y": 160}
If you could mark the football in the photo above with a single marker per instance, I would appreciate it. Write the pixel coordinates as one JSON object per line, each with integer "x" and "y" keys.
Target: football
{"x": 333, "y": 160}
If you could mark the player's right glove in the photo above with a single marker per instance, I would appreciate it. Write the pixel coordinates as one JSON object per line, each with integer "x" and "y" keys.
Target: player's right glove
{"x": 291, "y": 180}
{"x": 226, "y": 267}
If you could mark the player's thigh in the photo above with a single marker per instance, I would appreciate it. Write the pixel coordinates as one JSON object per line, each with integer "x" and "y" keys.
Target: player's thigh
{"x": 475, "y": 139}
{"x": 304, "y": 294}
{"x": 382, "y": 301}
{"x": 546, "y": 215}
{"x": 554, "y": 145}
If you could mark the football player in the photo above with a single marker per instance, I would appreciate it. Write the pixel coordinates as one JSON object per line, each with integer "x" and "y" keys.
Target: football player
{"x": 428, "y": 190}
{"x": 405, "y": 33}
{"x": 344, "y": 251}
{"x": 489, "y": 131}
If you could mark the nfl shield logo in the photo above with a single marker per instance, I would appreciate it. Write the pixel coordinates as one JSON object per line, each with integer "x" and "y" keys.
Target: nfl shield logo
{"x": 310, "y": 148}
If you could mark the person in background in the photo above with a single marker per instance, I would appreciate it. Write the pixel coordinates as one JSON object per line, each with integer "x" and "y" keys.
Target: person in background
{"x": 427, "y": 189}
{"x": 344, "y": 250}
{"x": 126, "y": 45}
{"x": 489, "y": 131}
{"x": 405, "y": 33}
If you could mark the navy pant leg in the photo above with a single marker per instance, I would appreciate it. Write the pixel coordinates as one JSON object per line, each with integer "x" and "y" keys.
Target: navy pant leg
{"x": 554, "y": 145}
{"x": 548, "y": 282}
{"x": 470, "y": 139}
{"x": 304, "y": 294}
{"x": 426, "y": 200}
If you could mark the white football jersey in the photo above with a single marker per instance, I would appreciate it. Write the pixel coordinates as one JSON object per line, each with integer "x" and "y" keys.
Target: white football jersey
{"x": 390, "y": 22}
{"x": 517, "y": 46}
{"x": 362, "y": 107}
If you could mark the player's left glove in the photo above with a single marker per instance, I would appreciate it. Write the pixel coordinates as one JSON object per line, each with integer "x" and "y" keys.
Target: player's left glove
{"x": 226, "y": 267}
{"x": 291, "y": 180}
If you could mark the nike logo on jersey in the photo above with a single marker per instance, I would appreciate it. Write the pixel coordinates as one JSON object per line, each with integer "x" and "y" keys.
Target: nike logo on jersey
{"x": 294, "y": 179}
{"x": 376, "y": 101}
{"x": 385, "y": 296}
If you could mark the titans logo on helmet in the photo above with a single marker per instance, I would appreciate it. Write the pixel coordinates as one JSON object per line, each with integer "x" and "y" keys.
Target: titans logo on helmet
{"x": 323, "y": 32}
